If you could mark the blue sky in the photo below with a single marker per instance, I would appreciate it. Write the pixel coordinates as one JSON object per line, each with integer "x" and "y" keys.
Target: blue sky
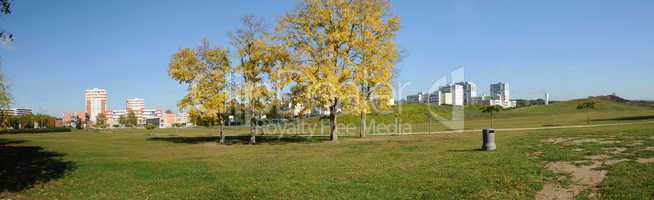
{"x": 570, "y": 49}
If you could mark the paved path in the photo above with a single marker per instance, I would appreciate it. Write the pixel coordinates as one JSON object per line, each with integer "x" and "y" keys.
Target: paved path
{"x": 520, "y": 129}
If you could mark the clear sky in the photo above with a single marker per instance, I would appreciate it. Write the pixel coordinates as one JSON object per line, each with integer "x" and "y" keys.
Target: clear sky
{"x": 570, "y": 49}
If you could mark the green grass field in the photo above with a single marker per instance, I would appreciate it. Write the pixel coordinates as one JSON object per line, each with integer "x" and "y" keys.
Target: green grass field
{"x": 188, "y": 164}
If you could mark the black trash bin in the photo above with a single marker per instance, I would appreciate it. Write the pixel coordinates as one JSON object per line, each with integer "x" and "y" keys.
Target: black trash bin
{"x": 489, "y": 139}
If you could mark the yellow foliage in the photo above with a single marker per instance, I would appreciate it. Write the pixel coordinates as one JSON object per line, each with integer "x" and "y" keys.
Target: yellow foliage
{"x": 204, "y": 71}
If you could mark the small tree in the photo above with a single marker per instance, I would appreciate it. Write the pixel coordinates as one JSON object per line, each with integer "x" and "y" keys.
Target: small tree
{"x": 131, "y": 120}
{"x": 586, "y": 106}
{"x": 101, "y": 120}
{"x": 490, "y": 110}
{"x": 122, "y": 120}
{"x": 150, "y": 126}
{"x": 258, "y": 58}
{"x": 204, "y": 71}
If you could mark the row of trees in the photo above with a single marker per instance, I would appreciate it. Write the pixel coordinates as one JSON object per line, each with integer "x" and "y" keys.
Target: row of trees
{"x": 332, "y": 54}
{"x": 27, "y": 121}
{"x": 129, "y": 121}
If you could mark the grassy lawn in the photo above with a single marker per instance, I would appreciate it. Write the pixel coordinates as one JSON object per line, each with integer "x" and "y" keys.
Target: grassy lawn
{"x": 145, "y": 165}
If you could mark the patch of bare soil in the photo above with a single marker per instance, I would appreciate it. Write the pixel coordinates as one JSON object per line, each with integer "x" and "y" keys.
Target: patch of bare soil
{"x": 582, "y": 177}
{"x": 555, "y": 140}
{"x": 576, "y": 141}
{"x": 536, "y": 154}
{"x": 584, "y": 174}
{"x": 613, "y": 162}
{"x": 615, "y": 150}
{"x": 635, "y": 143}
{"x": 645, "y": 160}
{"x": 597, "y": 157}
{"x": 591, "y": 140}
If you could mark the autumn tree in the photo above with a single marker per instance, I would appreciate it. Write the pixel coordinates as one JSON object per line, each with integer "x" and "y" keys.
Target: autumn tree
{"x": 257, "y": 57}
{"x": 131, "y": 120}
{"x": 101, "y": 120}
{"x": 375, "y": 56}
{"x": 204, "y": 72}
{"x": 344, "y": 52}
{"x": 5, "y": 98}
{"x": 122, "y": 120}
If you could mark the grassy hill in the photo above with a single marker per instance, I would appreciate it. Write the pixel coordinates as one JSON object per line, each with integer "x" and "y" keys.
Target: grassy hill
{"x": 608, "y": 109}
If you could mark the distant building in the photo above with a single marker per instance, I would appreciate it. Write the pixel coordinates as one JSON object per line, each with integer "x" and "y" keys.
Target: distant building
{"x": 469, "y": 91}
{"x": 153, "y": 121}
{"x": 499, "y": 91}
{"x": 417, "y": 98}
{"x": 67, "y": 118}
{"x": 500, "y": 95}
{"x": 17, "y": 111}
{"x": 182, "y": 118}
{"x": 137, "y": 106}
{"x": 449, "y": 95}
{"x": 96, "y": 102}
{"x": 113, "y": 116}
{"x": 434, "y": 98}
{"x": 168, "y": 120}
{"x": 483, "y": 100}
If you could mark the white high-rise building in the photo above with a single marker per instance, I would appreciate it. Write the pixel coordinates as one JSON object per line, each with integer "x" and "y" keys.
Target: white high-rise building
{"x": 499, "y": 91}
{"x": 451, "y": 95}
{"x": 96, "y": 102}
{"x": 469, "y": 91}
{"x": 500, "y": 96}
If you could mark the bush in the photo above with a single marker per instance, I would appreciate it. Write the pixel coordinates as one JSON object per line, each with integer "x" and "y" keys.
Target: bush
{"x": 35, "y": 130}
{"x": 150, "y": 126}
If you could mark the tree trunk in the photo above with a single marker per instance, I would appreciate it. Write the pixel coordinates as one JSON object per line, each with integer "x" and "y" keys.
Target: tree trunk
{"x": 253, "y": 130}
{"x": 363, "y": 130}
{"x": 332, "y": 117}
{"x": 587, "y": 116}
{"x": 222, "y": 131}
{"x": 429, "y": 124}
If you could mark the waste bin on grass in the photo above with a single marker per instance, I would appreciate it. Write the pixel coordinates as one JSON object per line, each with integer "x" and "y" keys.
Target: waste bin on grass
{"x": 489, "y": 139}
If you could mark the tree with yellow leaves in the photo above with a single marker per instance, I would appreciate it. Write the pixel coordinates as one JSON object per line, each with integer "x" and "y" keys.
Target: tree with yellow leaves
{"x": 375, "y": 57}
{"x": 258, "y": 57}
{"x": 340, "y": 48}
{"x": 204, "y": 71}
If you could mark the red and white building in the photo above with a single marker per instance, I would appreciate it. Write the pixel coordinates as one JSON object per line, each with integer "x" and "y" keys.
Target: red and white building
{"x": 96, "y": 102}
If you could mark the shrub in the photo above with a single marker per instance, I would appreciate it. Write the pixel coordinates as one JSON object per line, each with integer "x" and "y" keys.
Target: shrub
{"x": 150, "y": 126}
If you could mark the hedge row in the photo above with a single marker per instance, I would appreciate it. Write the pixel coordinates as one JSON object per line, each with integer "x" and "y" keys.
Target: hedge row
{"x": 35, "y": 130}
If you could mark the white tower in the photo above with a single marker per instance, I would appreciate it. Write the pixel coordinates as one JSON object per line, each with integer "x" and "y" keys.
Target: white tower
{"x": 547, "y": 98}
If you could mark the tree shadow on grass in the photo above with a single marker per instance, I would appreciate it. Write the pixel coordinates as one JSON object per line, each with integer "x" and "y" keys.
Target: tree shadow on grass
{"x": 260, "y": 139}
{"x": 21, "y": 167}
{"x": 644, "y": 117}
{"x": 465, "y": 150}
